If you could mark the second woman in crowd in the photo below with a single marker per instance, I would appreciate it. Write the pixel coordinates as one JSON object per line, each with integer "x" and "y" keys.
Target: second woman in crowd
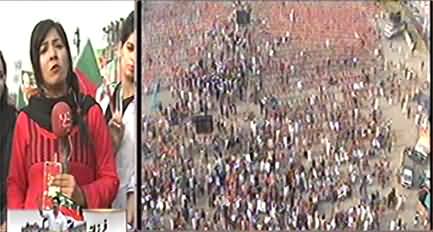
{"x": 120, "y": 112}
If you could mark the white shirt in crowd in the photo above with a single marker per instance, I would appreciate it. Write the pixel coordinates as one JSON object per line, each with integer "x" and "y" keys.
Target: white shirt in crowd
{"x": 261, "y": 206}
{"x": 392, "y": 225}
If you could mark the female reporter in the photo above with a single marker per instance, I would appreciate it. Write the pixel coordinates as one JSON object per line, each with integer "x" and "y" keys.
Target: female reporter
{"x": 8, "y": 116}
{"x": 122, "y": 121}
{"x": 92, "y": 180}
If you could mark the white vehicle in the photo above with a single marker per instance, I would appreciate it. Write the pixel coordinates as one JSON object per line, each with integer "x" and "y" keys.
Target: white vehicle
{"x": 406, "y": 177}
{"x": 407, "y": 170}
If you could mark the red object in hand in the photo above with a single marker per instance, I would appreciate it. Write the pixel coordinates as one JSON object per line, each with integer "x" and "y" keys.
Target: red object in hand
{"x": 51, "y": 169}
{"x": 61, "y": 119}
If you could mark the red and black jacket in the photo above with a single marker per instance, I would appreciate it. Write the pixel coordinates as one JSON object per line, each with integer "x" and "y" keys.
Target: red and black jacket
{"x": 92, "y": 164}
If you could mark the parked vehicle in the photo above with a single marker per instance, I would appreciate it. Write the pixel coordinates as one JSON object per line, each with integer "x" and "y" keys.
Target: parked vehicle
{"x": 406, "y": 171}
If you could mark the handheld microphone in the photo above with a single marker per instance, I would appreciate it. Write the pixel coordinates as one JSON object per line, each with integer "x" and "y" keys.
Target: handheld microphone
{"x": 61, "y": 121}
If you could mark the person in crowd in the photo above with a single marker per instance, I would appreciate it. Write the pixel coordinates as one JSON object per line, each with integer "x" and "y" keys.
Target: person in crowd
{"x": 55, "y": 219}
{"x": 8, "y": 116}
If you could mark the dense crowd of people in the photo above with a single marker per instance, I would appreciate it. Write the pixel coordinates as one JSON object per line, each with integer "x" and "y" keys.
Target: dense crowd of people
{"x": 100, "y": 172}
{"x": 296, "y": 128}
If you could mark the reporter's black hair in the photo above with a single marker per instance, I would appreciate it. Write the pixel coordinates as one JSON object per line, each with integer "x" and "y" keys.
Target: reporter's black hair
{"x": 39, "y": 33}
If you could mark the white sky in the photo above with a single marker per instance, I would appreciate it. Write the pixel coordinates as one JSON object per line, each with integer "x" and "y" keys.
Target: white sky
{"x": 17, "y": 19}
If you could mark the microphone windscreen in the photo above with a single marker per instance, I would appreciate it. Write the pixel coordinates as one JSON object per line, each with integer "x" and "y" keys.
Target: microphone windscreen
{"x": 61, "y": 119}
